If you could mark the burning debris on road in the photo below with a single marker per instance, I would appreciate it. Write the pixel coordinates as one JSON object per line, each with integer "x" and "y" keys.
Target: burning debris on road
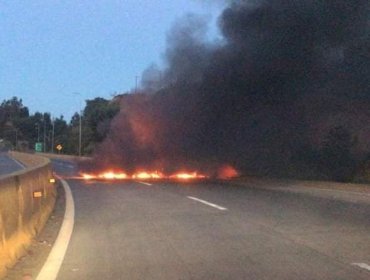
{"x": 142, "y": 176}
{"x": 224, "y": 173}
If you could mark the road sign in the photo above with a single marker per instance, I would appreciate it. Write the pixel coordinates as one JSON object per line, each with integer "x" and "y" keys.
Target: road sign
{"x": 59, "y": 147}
{"x": 38, "y": 147}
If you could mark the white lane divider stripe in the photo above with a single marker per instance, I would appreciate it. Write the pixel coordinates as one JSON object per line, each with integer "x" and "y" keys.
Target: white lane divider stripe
{"x": 19, "y": 163}
{"x": 144, "y": 183}
{"x": 55, "y": 259}
{"x": 208, "y": 203}
{"x": 362, "y": 265}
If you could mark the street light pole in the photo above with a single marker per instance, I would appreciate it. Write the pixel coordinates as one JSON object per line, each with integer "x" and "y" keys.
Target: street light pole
{"x": 52, "y": 137}
{"x": 80, "y": 127}
{"x": 80, "y": 136}
{"x": 38, "y": 132}
{"x": 44, "y": 134}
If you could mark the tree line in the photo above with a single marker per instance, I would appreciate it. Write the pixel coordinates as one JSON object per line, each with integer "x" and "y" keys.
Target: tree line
{"x": 20, "y": 130}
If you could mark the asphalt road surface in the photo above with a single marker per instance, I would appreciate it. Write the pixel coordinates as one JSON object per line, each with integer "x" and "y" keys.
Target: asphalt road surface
{"x": 8, "y": 165}
{"x": 213, "y": 230}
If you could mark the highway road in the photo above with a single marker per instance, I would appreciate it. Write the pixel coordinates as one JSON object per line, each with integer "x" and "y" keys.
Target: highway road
{"x": 213, "y": 230}
{"x": 8, "y": 165}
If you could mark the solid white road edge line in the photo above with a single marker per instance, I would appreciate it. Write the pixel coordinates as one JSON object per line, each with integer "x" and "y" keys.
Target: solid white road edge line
{"x": 54, "y": 261}
{"x": 362, "y": 265}
{"x": 208, "y": 203}
{"x": 144, "y": 183}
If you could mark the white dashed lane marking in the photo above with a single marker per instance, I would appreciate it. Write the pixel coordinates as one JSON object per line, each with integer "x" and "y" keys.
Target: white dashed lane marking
{"x": 208, "y": 203}
{"x": 362, "y": 265}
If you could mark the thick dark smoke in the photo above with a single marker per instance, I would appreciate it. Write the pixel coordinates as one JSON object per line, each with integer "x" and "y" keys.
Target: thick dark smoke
{"x": 261, "y": 100}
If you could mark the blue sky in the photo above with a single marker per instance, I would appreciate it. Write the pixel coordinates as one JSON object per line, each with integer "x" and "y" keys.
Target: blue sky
{"x": 51, "y": 49}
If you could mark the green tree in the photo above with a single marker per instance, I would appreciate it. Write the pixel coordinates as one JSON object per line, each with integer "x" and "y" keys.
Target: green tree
{"x": 97, "y": 116}
{"x": 96, "y": 120}
{"x": 12, "y": 112}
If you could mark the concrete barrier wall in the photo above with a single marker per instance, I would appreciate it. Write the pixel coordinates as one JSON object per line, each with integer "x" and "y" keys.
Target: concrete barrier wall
{"x": 29, "y": 160}
{"x": 65, "y": 157}
{"x": 22, "y": 215}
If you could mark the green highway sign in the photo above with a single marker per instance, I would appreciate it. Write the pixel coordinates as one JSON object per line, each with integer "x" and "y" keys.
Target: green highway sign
{"x": 38, "y": 147}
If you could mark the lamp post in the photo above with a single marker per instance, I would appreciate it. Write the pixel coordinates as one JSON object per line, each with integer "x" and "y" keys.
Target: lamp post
{"x": 52, "y": 136}
{"x": 38, "y": 132}
{"x": 80, "y": 127}
{"x": 44, "y": 133}
{"x": 80, "y": 135}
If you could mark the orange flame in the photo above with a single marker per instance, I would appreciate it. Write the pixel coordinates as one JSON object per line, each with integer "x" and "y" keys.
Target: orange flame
{"x": 110, "y": 175}
{"x": 88, "y": 176}
{"x": 227, "y": 172}
{"x": 187, "y": 176}
{"x": 147, "y": 175}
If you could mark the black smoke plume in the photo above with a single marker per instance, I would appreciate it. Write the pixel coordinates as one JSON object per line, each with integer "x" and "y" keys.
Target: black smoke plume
{"x": 261, "y": 99}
